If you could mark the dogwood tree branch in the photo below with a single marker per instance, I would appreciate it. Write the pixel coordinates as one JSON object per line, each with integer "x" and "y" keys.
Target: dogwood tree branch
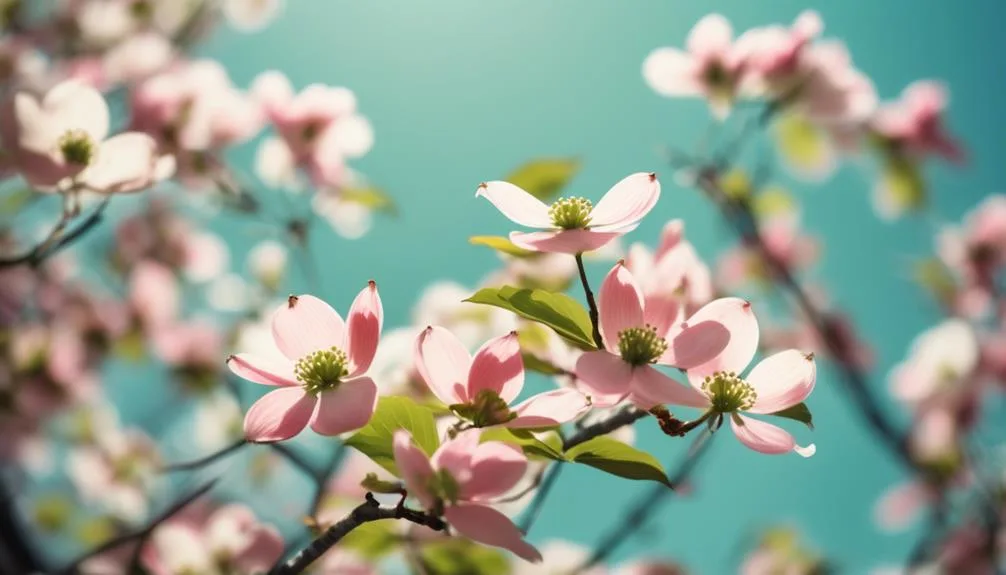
{"x": 56, "y": 240}
{"x": 204, "y": 461}
{"x": 369, "y": 510}
{"x": 591, "y": 303}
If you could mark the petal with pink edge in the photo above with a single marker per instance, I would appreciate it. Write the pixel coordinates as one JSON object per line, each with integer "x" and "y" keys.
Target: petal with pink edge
{"x": 696, "y": 344}
{"x": 565, "y": 241}
{"x": 766, "y": 438}
{"x": 414, "y": 467}
{"x": 497, "y": 366}
{"x": 126, "y": 163}
{"x": 736, "y": 315}
{"x": 672, "y": 73}
{"x": 366, "y": 317}
{"x": 549, "y": 409}
{"x": 620, "y": 303}
{"x": 650, "y": 388}
{"x": 626, "y": 202}
{"x": 345, "y": 408}
{"x": 262, "y": 370}
{"x": 488, "y": 526}
{"x": 662, "y": 311}
{"x": 604, "y": 376}
{"x": 782, "y": 380}
{"x": 443, "y": 362}
{"x": 455, "y": 456}
{"x": 306, "y": 324}
{"x": 516, "y": 204}
{"x": 496, "y": 468}
{"x": 279, "y": 415}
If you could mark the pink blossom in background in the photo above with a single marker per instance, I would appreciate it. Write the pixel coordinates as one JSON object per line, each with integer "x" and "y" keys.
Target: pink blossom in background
{"x": 941, "y": 361}
{"x": 154, "y": 294}
{"x": 574, "y": 225}
{"x": 321, "y": 381}
{"x": 674, "y": 271}
{"x": 460, "y": 478}
{"x": 914, "y": 123}
{"x": 490, "y": 380}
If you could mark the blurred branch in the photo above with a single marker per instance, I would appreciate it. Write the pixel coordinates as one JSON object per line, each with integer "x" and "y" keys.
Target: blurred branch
{"x": 534, "y": 509}
{"x": 323, "y": 478}
{"x": 204, "y": 461}
{"x": 56, "y": 240}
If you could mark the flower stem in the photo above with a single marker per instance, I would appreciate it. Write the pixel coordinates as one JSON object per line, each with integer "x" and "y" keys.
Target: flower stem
{"x": 591, "y": 304}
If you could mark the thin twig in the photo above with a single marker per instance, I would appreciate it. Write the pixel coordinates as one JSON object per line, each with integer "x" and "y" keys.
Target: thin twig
{"x": 323, "y": 478}
{"x": 296, "y": 459}
{"x": 534, "y": 510}
{"x": 591, "y": 304}
{"x": 626, "y": 416}
{"x": 204, "y": 461}
{"x": 56, "y": 240}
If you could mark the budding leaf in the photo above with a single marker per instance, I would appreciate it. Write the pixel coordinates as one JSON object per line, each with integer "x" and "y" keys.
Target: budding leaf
{"x": 799, "y": 412}
{"x": 370, "y": 197}
{"x": 457, "y": 556}
{"x": 544, "y": 178}
{"x": 393, "y": 413}
{"x": 617, "y": 458}
{"x": 372, "y": 483}
{"x": 501, "y": 244}
{"x": 558, "y": 311}
{"x": 542, "y": 445}
{"x": 372, "y": 540}
{"x": 535, "y": 363}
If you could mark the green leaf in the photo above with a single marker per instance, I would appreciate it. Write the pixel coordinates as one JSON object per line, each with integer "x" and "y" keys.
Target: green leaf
{"x": 373, "y": 540}
{"x": 535, "y": 363}
{"x": 457, "y": 556}
{"x": 558, "y": 311}
{"x": 617, "y": 458}
{"x": 371, "y": 197}
{"x": 501, "y": 244}
{"x": 548, "y": 448}
{"x": 394, "y": 413}
{"x": 799, "y": 412}
{"x": 15, "y": 201}
{"x": 544, "y": 178}
{"x": 934, "y": 276}
{"x": 373, "y": 483}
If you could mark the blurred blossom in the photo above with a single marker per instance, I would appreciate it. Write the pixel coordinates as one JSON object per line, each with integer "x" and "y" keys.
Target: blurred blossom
{"x": 442, "y": 303}
{"x": 251, "y": 15}
{"x": 116, "y": 472}
{"x": 228, "y": 293}
{"x": 941, "y": 360}
{"x": 218, "y": 420}
{"x": 267, "y": 262}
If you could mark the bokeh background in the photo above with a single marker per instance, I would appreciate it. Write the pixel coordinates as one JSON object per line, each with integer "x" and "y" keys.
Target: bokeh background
{"x": 460, "y": 92}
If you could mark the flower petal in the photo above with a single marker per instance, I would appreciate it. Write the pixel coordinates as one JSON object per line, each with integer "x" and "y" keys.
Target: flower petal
{"x": 565, "y": 241}
{"x": 496, "y": 468}
{"x": 782, "y": 380}
{"x": 306, "y": 324}
{"x": 498, "y": 366}
{"x": 414, "y": 467}
{"x": 488, "y": 526}
{"x": 651, "y": 387}
{"x": 765, "y": 437}
{"x": 549, "y": 409}
{"x": 605, "y": 376}
{"x": 696, "y": 344}
{"x": 620, "y": 303}
{"x": 516, "y": 204}
{"x": 279, "y": 415}
{"x": 711, "y": 36}
{"x": 125, "y": 163}
{"x": 671, "y": 72}
{"x": 73, "y": 105}
{"x": 736, "y": 316}
{"x": 662, "y": 311}
{"x": 346, "y": 408}
{"x": 900, "y": 505}
{"x": 262, "y": 370}
{"x": 626, "y": 202}
{"x": 366, "y": 317}
{"x": 443, "y": 362}
{"x": 455, "y": 456}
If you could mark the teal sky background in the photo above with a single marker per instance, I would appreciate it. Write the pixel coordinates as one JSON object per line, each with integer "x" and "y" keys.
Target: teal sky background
{"x": 462, "y": 91}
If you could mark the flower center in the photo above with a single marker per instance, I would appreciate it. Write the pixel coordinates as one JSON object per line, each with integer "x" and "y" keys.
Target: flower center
{"x": 78, "y": 148}
{"x": 443, "y": 487}
{"x": 641, "y": 345}
{"x": 571, "y": 213}
{"x": 485, "y": 409}
{"x": 729, "y": 393}
{"x": 321, "y": 370}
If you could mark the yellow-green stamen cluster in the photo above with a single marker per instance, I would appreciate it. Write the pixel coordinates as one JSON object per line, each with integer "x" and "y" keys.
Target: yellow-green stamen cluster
{"x": 641, "y": 345}
{"x": 571, "y": 213}
{"x": 77, "y": 148}
{"x": 729, "y": 393}
{"x": 321, "y": 370}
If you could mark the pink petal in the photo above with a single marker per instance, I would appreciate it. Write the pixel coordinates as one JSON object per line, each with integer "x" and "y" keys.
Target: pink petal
{"x": 620, "y": 303}
{"x": 488, "y": 526}
{"x": 900, "y": 505}
{"x": 264, "y": 548}
{"x": 455, "y": 455}
{"x": 662, "y": 310}
{"x": 279, "y": 415}
{"x": 696, "y": 344}
{"x": 346, "y": 408}
{"x": 626, "y": 202}
{"x": 549, "y": 409}
{"x": 605, "y": 376}
{"x": 711, "y": 36}
{"x": 651, "y": 387}
{"x": 414, "y": 467}
{"x": 366, "y": 317}
{"x": 737, "y": 317}
{"x": 262, "y": 370}
{"x": 496, "y": 468}
{"x": 565, "y": 241}
{"x": 498, "y": 366}
{"x": 516, "y": 204}
{"x": 306, "y": 324}
{"x": 765, "y": 437}
{"x": 125, "y": 163}
{"x": 671, "y": 72}
{"x": 442, "y": 361}
{"x": 782, "y": 380}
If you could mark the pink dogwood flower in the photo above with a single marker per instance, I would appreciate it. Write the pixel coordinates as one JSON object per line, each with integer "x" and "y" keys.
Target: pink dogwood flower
{"x": 460, "y": 480}
{"x": 639, "y": 332}
{"x": 711, "y": 68}
{"x": 321, "y": 379}
{"x": 480, "y": 388}
{"x": 915, "y": 121}
{"x": 574, "y": 225}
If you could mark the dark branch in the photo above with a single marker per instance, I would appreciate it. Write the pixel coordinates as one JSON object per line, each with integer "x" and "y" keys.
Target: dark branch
{"x": 591, "y": 304}
{"x": 204, "y": 461}
{"x": 324, "y": 476}
{"x": 627, "y": 416}
{"x": 534, "y": 510}
{"x": 56, "y": 240}
{"x": 296, "y": 459}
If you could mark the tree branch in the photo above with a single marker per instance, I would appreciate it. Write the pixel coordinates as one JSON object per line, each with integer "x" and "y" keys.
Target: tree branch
{"x": 204, "y": 461}
{"x": 55, "y": 241}
{"x": 591, "y": 304}
{"x": 626, "y": 416}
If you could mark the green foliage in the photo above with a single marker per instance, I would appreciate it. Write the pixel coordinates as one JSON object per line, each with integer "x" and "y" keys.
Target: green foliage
{"x": 502, "y": 244}
{"x": 799, "y": 412}
{"x": 372, "y": 540}
{"x": 372, "y": 198}
{"x": 561, "y": 313}
{"x": 614, "y": 457}
{"x": 545, "y": 178}
{"x": 545, "y": 445}
{"x": 372, "y": 483}
{"x": 459, "y": 556}
{"x": 394, "y": 413}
